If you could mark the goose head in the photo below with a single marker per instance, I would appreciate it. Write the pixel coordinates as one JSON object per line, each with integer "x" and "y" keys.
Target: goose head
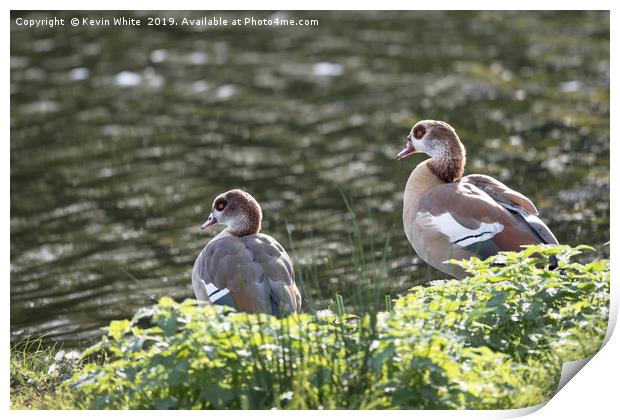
{"x": 238, "y": 211}
{"x": 438, "y": 140}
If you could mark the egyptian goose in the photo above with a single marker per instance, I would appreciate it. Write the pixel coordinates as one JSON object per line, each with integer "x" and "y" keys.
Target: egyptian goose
{"x": 241, "y": 267}
{"x": 448, "y": 216}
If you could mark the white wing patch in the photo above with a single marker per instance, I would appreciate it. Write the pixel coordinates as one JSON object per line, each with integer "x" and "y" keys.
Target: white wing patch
{"x": 205, "y": 291}
{"x": 456, "y": 232}
{"x": 213, "y": 293}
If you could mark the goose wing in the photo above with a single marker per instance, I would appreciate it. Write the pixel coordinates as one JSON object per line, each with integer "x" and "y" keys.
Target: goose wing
{"x": 500, "y": 192}
{"x": 255, "y": 271}
{"x": 515, "y": 202}
{"x": 460, "y": 220}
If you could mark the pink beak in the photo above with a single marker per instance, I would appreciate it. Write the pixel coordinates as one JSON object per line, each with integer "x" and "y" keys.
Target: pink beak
{"x": 407, "y": 150}
{"x": 211, "y": 221}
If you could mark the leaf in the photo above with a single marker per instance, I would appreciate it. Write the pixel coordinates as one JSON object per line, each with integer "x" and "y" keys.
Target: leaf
{"x": 119, "y": 328}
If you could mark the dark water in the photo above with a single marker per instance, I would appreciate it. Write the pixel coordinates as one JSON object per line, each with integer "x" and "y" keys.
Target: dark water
{"x": 120, "y": 139}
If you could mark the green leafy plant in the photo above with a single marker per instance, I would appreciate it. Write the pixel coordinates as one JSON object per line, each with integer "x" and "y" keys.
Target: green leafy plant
{"x": 494, "y": 340}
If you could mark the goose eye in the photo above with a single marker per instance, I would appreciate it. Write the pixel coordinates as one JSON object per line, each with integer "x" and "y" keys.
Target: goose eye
{"x": 418, "y": 133}
{"x": 221, "y": 206}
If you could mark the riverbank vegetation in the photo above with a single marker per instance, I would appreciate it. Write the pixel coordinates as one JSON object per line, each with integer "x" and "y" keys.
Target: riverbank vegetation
{"x": 495, "y": 340}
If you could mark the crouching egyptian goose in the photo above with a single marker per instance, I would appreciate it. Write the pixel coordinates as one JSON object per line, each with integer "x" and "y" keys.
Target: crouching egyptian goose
{"x": 448, "y": 216}
{"x": 241, "y": 267}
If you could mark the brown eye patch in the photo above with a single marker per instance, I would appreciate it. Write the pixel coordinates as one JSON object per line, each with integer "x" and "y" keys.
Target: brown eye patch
{"x": 419, "y": 131}
{"x": 220, "y": 204}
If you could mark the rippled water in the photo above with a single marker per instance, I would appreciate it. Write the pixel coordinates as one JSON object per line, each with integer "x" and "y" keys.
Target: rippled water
{"x": 120, "y": 139}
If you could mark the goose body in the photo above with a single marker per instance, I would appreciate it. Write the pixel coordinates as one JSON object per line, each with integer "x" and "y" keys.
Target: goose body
{"x": 448, "y": 216}
{"x": 241, "y": 267}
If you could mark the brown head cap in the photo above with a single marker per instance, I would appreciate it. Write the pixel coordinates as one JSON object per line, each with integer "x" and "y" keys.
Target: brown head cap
{"x": 239, "y": 211}
{"x": 440, "y": 141}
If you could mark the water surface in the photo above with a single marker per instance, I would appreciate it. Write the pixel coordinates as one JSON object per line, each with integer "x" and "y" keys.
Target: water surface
{"x": 121, "y": 138}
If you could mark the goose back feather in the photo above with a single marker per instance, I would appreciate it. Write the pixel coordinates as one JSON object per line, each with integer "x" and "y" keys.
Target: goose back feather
{"x": 254, "y": 269}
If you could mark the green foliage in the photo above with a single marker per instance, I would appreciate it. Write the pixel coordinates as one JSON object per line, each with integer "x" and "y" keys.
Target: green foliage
{"x": 494, "y": 340}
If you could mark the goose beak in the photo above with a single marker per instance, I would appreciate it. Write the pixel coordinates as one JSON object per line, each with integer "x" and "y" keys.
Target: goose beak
{"x": 407, "y": 150}
{"x": 210, "y": 222}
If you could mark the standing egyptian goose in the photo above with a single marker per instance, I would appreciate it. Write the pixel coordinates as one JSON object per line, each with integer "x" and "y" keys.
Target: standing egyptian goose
{"x": 448, "y": 216}
{"x": 241, "y": 267}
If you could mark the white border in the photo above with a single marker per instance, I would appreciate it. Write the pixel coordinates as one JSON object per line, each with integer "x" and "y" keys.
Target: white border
{"x": 592, "y": 394}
